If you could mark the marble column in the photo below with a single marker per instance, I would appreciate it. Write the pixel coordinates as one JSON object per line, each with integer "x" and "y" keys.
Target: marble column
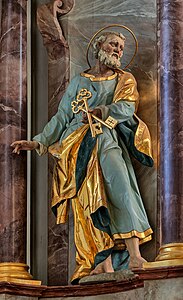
{"x": 171, "y": 135}
{"x": 58, "y": 79}
{"x": 13, "y": 117}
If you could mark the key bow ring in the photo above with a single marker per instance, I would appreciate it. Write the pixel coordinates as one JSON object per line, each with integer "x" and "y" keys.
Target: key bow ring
{"x": 84, "y": 93}
{"x": 81, "y": 104}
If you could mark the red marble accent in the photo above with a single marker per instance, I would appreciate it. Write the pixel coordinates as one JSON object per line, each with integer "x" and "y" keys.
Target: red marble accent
{"x": 160, "y": 273}
{"x": 21, "y": 289}
{"x": 13, "y": 91}
{"x": 58, "y": 78}
{"x": 93, "y": 289}
{"x": 171, "y": 89}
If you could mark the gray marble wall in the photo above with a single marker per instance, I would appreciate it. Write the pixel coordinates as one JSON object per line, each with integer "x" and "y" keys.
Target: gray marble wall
{"x": 168, "y": 289}
{"x": 128, "y": 295}
{"x": 13, "y": 297}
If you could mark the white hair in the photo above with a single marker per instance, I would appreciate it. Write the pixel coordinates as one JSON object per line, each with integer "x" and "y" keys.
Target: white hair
{"x": 102, "y": 38}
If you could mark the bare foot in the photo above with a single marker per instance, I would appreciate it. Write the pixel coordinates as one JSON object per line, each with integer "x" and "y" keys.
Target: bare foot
{"x": 136, "y": 262}
{"x": 103, "y": 267}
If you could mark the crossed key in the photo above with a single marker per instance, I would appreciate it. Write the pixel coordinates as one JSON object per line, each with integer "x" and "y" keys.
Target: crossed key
{"x": 81, "y": 104}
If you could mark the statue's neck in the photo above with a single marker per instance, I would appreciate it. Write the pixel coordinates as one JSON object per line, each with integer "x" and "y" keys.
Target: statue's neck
{"x": 101, "y": 70}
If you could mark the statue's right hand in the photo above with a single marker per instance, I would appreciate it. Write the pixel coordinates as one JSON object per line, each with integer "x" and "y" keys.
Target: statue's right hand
{"x": 24, "y": 145}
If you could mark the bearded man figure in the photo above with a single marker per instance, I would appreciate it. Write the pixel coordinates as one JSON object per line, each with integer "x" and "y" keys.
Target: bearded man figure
{"x": 95, "y": 174}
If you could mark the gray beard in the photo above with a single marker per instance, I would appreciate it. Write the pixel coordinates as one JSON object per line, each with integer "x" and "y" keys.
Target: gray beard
{"x": 108, "y": 60}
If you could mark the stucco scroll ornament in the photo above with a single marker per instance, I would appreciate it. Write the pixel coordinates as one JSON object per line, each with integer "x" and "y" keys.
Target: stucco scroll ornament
{"x": 49, "y": 25}
{"x": 48, "y": 16}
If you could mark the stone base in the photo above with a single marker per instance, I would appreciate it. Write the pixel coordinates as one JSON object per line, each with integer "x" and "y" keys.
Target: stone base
{"x": 20, "y": 281}
{"x": 123, "y": 275}
{"x": 163, "y": 263}
{"x": 173, "y": 251}
{"x": 154, "y": 284}
{"x": 13, "y": 297}
{"x": 16, "y": 273}
{"x": 166, "y": 289}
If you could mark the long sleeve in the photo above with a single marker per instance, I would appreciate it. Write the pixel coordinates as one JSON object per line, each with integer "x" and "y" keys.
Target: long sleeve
{"x": 125, "y": 99}
{"x": 120, "y": 111}
{"x": 58, "y": 123}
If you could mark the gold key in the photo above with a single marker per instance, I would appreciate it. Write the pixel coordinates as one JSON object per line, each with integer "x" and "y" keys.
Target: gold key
{"x": 97, "y": 127}
{"x": 83, "y": 96}
{"x": 111, "y": 122}
{"x": 81, "y": 104}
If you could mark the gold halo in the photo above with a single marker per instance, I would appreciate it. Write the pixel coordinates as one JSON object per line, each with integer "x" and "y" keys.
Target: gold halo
{"x": 113, "y": 25}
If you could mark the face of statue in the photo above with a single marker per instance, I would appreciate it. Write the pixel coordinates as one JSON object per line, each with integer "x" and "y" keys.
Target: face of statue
{"x": 111, "y": 51}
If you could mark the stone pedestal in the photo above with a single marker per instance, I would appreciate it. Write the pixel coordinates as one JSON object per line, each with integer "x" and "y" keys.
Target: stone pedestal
{"x": 165, "y": 283}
